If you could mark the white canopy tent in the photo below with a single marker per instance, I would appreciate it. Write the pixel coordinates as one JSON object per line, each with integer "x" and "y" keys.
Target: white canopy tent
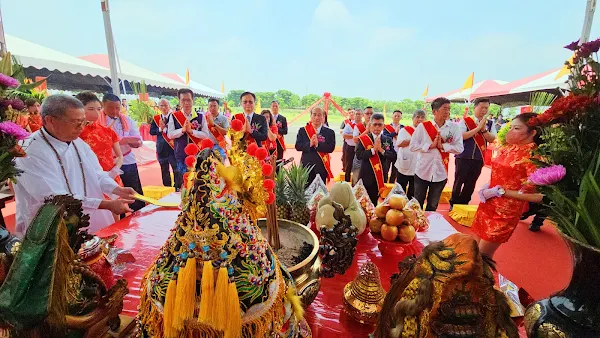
{"x": 196, "y": 87}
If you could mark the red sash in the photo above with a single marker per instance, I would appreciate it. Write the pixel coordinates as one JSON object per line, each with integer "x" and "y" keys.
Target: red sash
{"x": 361, "y": 127}
{"x": 390, "y": 128}
{"x": 164, "y": 135}
{"x": 181, "y": 119}
{"x": 272, "y": 145}
{"x": 217, "y": 135}
{"x": 375, "y": 161}
{"x": 478, "y": 137}
{"x": 310, "y": 131}
{"x": 433, "y": 132}
{"x": 410, "y": 130}
{"x": 349, "y": 123}
{"x": 248, "y": 137}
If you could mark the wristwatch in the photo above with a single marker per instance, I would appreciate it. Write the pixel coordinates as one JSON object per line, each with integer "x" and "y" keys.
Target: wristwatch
{"x": 501, "y": 191}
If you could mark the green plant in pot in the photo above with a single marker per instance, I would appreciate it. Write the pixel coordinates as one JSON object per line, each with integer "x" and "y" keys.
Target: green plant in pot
{"x": 139, "y": 109}
{"x": 569, "y": 177}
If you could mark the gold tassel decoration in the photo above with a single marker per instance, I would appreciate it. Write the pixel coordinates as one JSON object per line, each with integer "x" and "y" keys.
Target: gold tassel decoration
{"x": 208, "y": 293}
{"x": 233, "y": 328}
{"x": 294, "y": 299}
{"x": 169, "y": 329}
{"x": 60, "y": 279}
{"x": 186, "y": 294}
{"x": 221, "y": 316}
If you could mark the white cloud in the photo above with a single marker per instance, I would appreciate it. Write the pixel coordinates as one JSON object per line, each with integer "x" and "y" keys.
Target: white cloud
{"x": 332, "y": 12}
{"x": 390, "y": 37}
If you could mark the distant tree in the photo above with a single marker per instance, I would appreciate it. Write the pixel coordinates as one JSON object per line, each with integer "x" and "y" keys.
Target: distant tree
{"x": 266, "y": 98}
{"x": 173, "y": 102}
{"x": 309, "y": 99}
{"x": 200, "y": 102}
{"x": 234, "y": 97}
{"x": 284, "y": 97}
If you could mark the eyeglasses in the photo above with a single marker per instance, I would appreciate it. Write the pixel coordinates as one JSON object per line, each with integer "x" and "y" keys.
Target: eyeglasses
{"x": 377, "y": 124}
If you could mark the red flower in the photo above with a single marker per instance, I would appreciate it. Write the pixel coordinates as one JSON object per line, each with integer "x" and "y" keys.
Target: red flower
{"x": 190, "y": 161}
{"x": 573, "y": 45}
{"x": 563, "y": 109}
{"x": 271, "y": 197}
{"x": 269, "y": 184}
{"x": 206, "y": 143}
{"x": 261, "y": 153}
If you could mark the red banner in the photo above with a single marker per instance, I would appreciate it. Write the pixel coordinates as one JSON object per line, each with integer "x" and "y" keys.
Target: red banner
{"x": 433, "y": 132}
{"x": 310, "y": 131}
{"x": 390, "y": 128}
{"x": 410, "y": 130}
{"x": 375, "y": 161}
{"x": 361, "y": 127}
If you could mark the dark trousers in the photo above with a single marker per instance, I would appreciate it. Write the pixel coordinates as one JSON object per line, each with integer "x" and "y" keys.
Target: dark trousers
{"x": 165, "y": 162}
{"x": 465, "y": 177}
{"x": 433, "y": 195}
{"x": 344, "y": 146}
{"x": 348, "y": 158}
{"x": 394, "y": 173}
{"x": 538, "y": 211}
{"x": 131, "y": 178}
{"x": 407, "y": 183}
{"x": 373, "y": 192}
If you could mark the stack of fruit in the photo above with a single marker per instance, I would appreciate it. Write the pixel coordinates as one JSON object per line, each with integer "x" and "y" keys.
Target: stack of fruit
{"x": 363, "y": 199}
{"x": 396, "y": 219}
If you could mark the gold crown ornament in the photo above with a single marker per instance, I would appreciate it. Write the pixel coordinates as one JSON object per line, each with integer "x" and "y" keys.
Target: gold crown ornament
{"x": 363, "y": 297}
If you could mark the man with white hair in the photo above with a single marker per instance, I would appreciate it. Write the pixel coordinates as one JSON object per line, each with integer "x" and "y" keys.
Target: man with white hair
{"x": 58, "y": 162}
{"x": 165, "y": 153}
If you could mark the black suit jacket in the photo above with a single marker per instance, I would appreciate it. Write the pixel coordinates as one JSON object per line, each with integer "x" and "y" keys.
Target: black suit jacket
{"x": 366, "y": 171}
{"x": 261, "y": 133}
{"x": 163, "y": 149}
{"x": 310, "y": 154}
{"x": 283, "y": 130}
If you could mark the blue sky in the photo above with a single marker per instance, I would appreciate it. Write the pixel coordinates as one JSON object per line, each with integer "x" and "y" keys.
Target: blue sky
{"x": 383, "y": 50}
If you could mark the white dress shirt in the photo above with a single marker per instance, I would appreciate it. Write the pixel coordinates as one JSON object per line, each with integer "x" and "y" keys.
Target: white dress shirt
{"x": 173, "y": 133}
{"x": 128, "y": 155}
{"x": 430, "y": 166}
{"x": 348, "y": 130}
{"x": 463, "y": 126}
{"x": 406, "y": 161}
{"x": 43, "y": 177}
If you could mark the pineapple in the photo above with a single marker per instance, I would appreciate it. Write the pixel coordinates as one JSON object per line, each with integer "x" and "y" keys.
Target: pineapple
{"x": 283, "y": 206}
{"x": 297, "y": 177}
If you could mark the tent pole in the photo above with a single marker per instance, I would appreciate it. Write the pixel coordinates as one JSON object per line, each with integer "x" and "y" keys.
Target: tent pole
{"x": 587, "y": 23}
{"x": 111, "y": 49}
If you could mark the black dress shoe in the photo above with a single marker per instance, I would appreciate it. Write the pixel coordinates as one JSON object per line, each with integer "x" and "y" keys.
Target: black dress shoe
{"x": 535, "y": 226}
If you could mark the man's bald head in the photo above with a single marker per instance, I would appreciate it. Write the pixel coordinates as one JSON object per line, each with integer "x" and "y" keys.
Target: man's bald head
{"x": 164, "y": 106}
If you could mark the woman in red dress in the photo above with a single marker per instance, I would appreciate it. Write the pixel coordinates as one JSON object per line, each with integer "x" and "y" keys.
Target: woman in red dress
{"x": 503, "y": 202}
{"x": 271, "y": 142}
{"x": 35, "y": 119}
{"x": 103, "y": 140}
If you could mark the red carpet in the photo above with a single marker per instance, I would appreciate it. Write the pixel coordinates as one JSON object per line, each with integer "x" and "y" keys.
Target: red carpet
{"x": 538, "y": 262}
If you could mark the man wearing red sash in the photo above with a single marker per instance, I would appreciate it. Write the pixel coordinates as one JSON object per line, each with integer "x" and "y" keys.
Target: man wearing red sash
{"x": 217, "y": 125}
{"x": 406, "y": 160}
{"x": 392, "y": 130}
{"x": 373, "y": 149}
{"x": 186, "y": 126}
{"x": 164, "y": 145}
{"x": 468, "y": 164}
{"x": 255, "y": 125}
{"x": 316, "y": 142}
{"x": 282, "y": 129}
{"x": 359, "y": 130}
{"x": 349, "y": 144}
{"x": 433, "y": 141}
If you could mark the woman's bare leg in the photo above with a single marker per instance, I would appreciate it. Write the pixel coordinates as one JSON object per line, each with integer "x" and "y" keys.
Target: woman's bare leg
{"x": 488, "y": 248}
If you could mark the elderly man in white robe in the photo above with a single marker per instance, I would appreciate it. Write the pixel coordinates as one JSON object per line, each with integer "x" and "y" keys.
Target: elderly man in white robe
{"x": 58, "y": 162}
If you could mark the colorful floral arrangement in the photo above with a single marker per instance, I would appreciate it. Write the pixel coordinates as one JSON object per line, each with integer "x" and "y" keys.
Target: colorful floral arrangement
{"x": 569, "y": 158}
{"x": 14, "y": 88}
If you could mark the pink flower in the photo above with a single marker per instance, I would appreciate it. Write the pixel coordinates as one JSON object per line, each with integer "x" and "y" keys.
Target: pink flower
{"x": 14, "y": 130}
{"x": 321, "y": 138}
{"x": 548, "y": 175}
{"x": 573, "y": 45}
{"x": 8, "y": 81}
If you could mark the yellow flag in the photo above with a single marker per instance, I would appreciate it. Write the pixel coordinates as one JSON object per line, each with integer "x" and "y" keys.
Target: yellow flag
{"x": 223, "y": 87}
{"x": 426, "y": 92}
{"x": 469, "y": 83}
{"x": 187, "y": 77}
{"x": 257, "y": 108}
{"x": 565, "y": 69}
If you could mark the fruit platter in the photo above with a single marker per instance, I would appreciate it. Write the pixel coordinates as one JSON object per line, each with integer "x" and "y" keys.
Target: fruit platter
{"x": 396, "y": 223}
